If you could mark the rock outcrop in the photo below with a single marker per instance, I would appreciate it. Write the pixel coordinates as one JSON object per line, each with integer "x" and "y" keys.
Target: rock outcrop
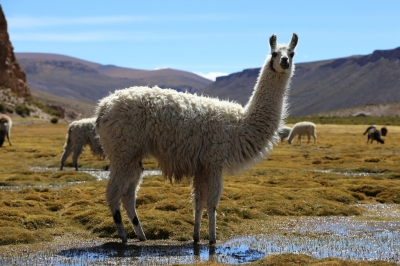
{"x": 11, "y": 74}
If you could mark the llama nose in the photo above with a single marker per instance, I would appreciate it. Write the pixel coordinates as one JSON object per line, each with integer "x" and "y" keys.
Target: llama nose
{"x": 284, "y": 62}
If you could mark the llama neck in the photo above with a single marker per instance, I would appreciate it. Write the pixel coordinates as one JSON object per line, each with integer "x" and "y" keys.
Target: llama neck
{"x": 267, "y": 106}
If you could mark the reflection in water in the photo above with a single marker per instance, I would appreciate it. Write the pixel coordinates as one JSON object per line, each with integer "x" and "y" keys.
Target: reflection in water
{"x": 165, "y": 254}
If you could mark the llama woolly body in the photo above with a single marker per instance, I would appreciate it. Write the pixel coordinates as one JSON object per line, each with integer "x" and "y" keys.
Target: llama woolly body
{"x": 182, "y": 131}
{"x": 303, "y": 128}
{"x": 81, "y": 133}
{"x": 5, "y": 128}
{"x": 190, "y": 135}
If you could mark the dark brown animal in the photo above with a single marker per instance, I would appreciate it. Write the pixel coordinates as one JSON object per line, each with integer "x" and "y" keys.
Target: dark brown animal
{"x": 5, "y": 128}
{"x": 374, "y": 134}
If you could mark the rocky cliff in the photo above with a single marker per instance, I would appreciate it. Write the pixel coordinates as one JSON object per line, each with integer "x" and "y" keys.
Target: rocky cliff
{"x": 11, "y": 74}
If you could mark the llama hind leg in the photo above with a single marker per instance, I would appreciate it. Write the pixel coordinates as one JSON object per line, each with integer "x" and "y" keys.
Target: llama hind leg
{"x": 117, "y": 185}
{"x": 77, "y": 153}
{"x": 129, "y": 201}
{"x": 66, "y": 153}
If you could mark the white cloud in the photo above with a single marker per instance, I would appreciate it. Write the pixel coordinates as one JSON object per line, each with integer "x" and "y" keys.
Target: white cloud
{"x": 39, "y": 22}
{"x": 211, "y": 75}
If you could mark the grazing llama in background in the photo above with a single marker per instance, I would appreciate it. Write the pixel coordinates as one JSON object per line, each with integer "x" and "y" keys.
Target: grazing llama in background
{"x": 374, "y": 134}
{"x": 81, "y": 133}
{"x": 190, "y": 136}
{"x": 284, "y": 132}
{"x": 5, "y": 128}
{"x": 300, "y": 129}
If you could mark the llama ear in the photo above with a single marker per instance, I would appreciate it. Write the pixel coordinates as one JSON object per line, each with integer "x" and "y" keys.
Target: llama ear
{"x": 294, "y": 41}
{"x": 272, "y": 42}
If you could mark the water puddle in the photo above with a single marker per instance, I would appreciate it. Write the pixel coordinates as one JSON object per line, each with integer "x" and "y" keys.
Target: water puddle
{"x": 350, "y": 174}
{"x": 98, "y": 174}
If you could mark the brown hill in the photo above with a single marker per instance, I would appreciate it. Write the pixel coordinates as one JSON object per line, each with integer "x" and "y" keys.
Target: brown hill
{"x": 326, "y": 85}
{"x": 83, "y": 80}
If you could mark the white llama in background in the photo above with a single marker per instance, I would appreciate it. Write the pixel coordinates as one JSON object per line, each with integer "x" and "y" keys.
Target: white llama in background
{"x": 303, "y": 128}
{"x": 5, "y": 128}
{"x": 190, "y": 136}
{"x": 81, "y": 133}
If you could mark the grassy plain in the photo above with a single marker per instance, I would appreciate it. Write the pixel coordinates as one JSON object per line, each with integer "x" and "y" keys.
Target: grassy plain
{"x": 323, "y": 179}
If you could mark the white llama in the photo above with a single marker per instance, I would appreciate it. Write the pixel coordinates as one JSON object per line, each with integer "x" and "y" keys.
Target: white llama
{"x": 190, "y": 136}
{"x": 81, "y": 133}
{"x": 5, "y": 128}
{"x": 303, "y": 128}
{"x": 284, "y": 132}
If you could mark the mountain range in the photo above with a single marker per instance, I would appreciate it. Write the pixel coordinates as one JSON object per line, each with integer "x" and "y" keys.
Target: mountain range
{"x": 326, "y": 85}
{"x": 316, "y": 87}
{"x": 87, "y": 81}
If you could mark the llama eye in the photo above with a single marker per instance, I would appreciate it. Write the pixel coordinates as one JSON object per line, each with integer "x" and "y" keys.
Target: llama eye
{"x": 292, "y": 54}
{"x": 274, "y": 54}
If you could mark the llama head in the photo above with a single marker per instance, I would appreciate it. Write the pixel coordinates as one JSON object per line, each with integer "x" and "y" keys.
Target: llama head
{"x": 282, "y": 55}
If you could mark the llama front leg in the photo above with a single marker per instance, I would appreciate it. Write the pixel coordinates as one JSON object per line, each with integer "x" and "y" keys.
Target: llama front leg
{"x": 213, "y": 197}
{"x": 129, "y": 202}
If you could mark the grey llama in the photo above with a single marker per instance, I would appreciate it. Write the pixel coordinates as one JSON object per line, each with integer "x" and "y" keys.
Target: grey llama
{"x": 303, "y": 128}
{"x": 5, "y": 128}
{"x": 81, "y": 133}
{"x": 190, "y": 136}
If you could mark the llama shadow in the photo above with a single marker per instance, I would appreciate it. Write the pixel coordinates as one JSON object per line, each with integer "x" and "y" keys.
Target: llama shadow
{"x": 158, "y": 253}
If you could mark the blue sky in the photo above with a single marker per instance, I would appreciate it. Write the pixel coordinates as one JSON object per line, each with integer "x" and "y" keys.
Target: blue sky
{"x": 209, "y": 38}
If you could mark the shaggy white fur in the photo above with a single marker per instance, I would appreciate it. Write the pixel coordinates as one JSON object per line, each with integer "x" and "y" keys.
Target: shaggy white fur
{"x": 5, "y": 128}
{"x": 303, "y": 128}
{"x": 190, "y": 136}
{"x": 81, "y": 133}
{"x": 284, "y": 132}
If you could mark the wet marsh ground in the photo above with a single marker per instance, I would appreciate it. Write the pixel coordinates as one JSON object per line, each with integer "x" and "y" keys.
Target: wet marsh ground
{"x": 335, "y": 202}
